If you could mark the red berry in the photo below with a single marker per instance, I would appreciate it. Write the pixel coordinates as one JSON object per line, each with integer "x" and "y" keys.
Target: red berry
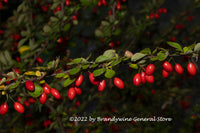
{"x": 6, "y": 1}
{"x": 157, "y": 15}
{"x": 118, "y": 5}
{"x": 19, "y": 107}
{"x": 79, "y": 80}
{"x": 78, "y": 90}
{"x": 149, "y": 78}
{"x": 55, "y": 93}
{"x": 93, "y": 80}
{"x": 71, "y": 93}
{"x": 102, "y": 85}
{"x": 17, "y": 70}
{"x": 151, "y": 16}
{"x": 43, "y": 98}
{"x": 167, "y": 66}
{"x": 60, "y": 40}
{"x": 3, "y": 108}
{"x": 191, "y": 68}
{"x": 29, "y": 85}
{"x": 74, "y": 17}
{"x": 44, "y": 8}
{"x": 99, "y": 3}
{"x": 46, "y": 88}
{"x": 26, "y": 103}
{"x": 31, "y": 100}
{"x": 178, "y": 68}
{"x": 67, "y": 2}
{"x": 39, "y": 60}
{"x": 78, "y": 103}
{"x": 118, "y": 83}
{"x": 143, "y": 79}
{"x": 137, "y": 79}
{"x": 165, "y": 74}
{"x": 150, "y": 69}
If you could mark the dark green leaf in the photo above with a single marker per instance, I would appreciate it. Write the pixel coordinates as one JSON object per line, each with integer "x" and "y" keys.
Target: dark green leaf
{"x": 21, "y": 42}
{"x": 116, "y": 62}
{"x": 67, "y": 27}
{"x": 85, "y": 66}
{"x": 47, "y": 29}
{"x": 109, "y": 73}
{"x": 60, "y": 75}
{"x": 14, "y": 85}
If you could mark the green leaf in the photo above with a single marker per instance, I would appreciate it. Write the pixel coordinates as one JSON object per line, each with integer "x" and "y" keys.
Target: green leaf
{"x": 67, "y": 27}
{"x": 3, "y": 80}
{"x": 85, "y": 2}
{"x": 187, "y": 50}
{"x": 14, "y": 85}
{"x": 137, "y": 56}
{"x": 102, "y": 58}
{"x": 98, "y": 72}
{"x": 94, "y": 65}
{"x": 8, "y": 57}
{"x": 85, "y": 66}
{"x": 109, "y": 73}
{"x": 197, "y": 47}
{"x": 162, "y": 56}
{"x": 68, "y": 81}
{"x": 146, "y": 51}
{"x": 116, "y": 62}
{"x": 98, "y": 33}
{"x": 54, "y": 19}
{"x": 21, "y": 42}
{"x": 175, "y": 45}
{"x": 47, "y": 28}
{"x": 60, "y": 75}
{"x": 75, "y": 70}
{"x": 37, "y": 92}
{"x": 134, "y": 66}
{"x": 109, "y": 53}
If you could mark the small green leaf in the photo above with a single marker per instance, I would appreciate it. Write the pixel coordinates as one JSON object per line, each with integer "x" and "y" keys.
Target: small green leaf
{"x": 75, "y": 70}
{"x": 197, "y": 47}
{"x": 102, "y": 58}
{"x": 54, "y": 19}
{"x": 11, "y": 75}
{"x": 37, "y": 92}
{"x": 187, "y": 50}
{"x": 68, "y": 81}
{"x": 14, "y": 85}
{"x": 134, "y": 66}
{"x": 3, "y": 80}
{"x": 94, "y": 65}
{"x": 161, "y": 56}
{"x": 67, "y": 27}
{"x": 60, "y": 75}
{"x": 21, "y": 42}
{"x": 109, "y": 53}
{"x": 47, "y": 28}
{"x": 137, "y": 56}
{"x": 109, "y": 73}
{"x": 85, "y": 66}
{"x": 98, "y": 72}
{"x": 116, "y": 62}
{"x": 98, "y": 33}
{"x": 153, "y": 58}
{"x": 175, "y": 45}
{"x": 146, "y": 51}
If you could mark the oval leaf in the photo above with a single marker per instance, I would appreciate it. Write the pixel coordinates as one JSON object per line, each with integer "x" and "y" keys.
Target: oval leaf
{"x": 109, "y": 73}
{"x": 175, "y": 45}
{"x": 68, "y": 81}
{"x": 197, "y": 47}
{"x": 109, "y": 53}
{"x": 98, "y": 72}
{"x": 102, "y": 58}
{"x": 74, "y": 70}
{"x": 137, "y": 56}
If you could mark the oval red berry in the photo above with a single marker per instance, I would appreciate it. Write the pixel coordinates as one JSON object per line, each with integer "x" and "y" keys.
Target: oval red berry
{"x": 93, "y": 80}
{"x": 19, "y": 107}
{"x": 167, "y": 66}
{"x": 165, "y": 74}
{"x": 46, "y": 88}
{"x": 78, "y": 90}
{"x": 43, "y": 98}
{"x": 150, "y": 69}
{"x": 191, "y": 68}
{"x": 71, "y": 93}
{"x": 55, "y": 93}
{"x": 3, "y": 108}
{"x": 102, "y": 85}
{"x": 79, "y": 80}
{"x": 178, "y": 68}
{"x": 137, "y": 79}
{"x": 29, "y": 85}
{"x": 118, "y": 83}
{"x": 149, "y": 78}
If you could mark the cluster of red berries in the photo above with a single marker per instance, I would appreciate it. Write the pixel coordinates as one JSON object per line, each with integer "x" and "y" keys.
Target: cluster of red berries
{"x": 157, "y": 15}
